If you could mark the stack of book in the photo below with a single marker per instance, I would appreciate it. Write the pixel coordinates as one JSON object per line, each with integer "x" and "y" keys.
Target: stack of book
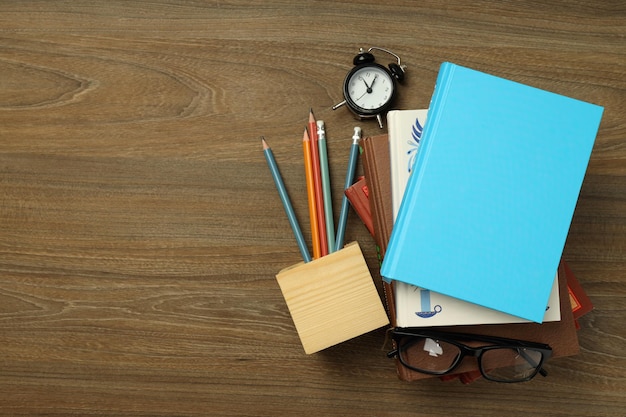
{"x": 470, "y": 204}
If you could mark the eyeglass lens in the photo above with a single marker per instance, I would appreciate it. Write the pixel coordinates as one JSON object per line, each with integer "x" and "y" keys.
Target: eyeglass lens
{"x": 510, "y": 364}
{"x": 428, "y": 354}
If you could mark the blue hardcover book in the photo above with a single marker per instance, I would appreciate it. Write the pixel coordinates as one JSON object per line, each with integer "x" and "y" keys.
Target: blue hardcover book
{"x": 488, "y": 207}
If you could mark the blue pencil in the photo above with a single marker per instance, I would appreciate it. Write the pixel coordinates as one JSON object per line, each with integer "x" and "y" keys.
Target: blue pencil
{"x": 282, "y": 191}
{"x": 343, "y": 216}
{"x": 326, "y": 191}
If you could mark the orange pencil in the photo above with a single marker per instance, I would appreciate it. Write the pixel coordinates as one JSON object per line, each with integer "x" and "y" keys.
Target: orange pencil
{"x": 310, "y": 188}
{"x": 317, "y": 182}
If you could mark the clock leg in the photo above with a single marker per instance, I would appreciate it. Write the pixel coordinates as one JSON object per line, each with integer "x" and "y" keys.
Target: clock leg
{"x": 379, "y": 117}
{"x": 336, "y": 106}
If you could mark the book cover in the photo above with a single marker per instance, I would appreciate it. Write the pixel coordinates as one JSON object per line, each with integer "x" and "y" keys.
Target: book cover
{"x": 488, "y": 206}
{"x": 419, "y": 307}
{"x": 581, "y": 303}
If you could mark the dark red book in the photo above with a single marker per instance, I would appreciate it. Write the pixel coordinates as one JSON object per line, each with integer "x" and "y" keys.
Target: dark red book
{"x": 358, "y": 195}
{"x": 581, "y": 304}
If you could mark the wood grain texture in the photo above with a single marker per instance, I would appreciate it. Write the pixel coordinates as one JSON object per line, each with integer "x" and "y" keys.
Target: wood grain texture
{"x": 332, "y": 299}
{"x": 140, "y": 232}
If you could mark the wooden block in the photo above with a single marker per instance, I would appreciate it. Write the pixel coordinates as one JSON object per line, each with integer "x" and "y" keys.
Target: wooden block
{"x": 332, "y": 299}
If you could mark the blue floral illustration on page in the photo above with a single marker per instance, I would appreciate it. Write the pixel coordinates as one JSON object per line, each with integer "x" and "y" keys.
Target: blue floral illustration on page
{"x": 414, "y": 143}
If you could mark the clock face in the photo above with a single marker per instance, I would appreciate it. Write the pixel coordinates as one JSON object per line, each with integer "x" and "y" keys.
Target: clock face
{"x": 369, "y": 89}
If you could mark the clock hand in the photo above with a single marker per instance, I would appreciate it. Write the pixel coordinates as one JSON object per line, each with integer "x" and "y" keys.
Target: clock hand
{"x": 361, "y": 96}
{"x": 369, "y": 87}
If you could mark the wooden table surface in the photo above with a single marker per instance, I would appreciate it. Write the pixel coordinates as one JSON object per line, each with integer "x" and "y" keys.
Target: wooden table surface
{"x": 140, "y": 231}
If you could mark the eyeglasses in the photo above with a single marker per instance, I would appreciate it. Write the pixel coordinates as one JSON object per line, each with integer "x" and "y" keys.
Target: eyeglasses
{"x": 439, "y": 353}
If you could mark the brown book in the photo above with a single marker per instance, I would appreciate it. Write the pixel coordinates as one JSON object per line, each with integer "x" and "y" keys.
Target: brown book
{"x": 375, "y": 158}
{"x": 376, "y": 161}
{"x": 560, "y": 335}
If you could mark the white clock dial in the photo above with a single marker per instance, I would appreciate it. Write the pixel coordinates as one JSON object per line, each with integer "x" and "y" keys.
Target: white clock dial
{"x": 370, "y": 87}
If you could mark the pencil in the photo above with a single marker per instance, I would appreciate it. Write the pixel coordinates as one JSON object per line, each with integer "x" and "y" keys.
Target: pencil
{"x": 317, "y": 181}
{"x": 310, "y": 188}
{"x": 328, "y": 201}
{"x": 352, "y": 160}
{"x": 282, "y": 192}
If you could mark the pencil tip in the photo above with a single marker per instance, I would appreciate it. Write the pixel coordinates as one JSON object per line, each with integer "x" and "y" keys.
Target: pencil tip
{"x": 265, "y": 145}
{"x": 311, "y": 116}
{"x": 305, "y": 135}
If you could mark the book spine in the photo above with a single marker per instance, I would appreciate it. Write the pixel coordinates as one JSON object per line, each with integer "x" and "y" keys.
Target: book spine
{"x": 371, "y": 178}
{"x": 446, "y": 72}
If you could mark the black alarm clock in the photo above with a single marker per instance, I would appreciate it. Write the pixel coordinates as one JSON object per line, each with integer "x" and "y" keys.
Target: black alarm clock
{"x": 370, "y": 89}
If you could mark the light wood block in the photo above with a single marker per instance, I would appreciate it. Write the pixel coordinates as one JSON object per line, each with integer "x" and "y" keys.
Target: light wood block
{"x": 332, "y": 299}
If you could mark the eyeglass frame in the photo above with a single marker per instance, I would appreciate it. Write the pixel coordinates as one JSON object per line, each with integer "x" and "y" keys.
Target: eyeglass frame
{"x": 398, "y": 333}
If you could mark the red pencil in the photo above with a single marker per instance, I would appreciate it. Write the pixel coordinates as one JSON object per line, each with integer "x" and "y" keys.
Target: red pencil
{"x": 317, "y": 182}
